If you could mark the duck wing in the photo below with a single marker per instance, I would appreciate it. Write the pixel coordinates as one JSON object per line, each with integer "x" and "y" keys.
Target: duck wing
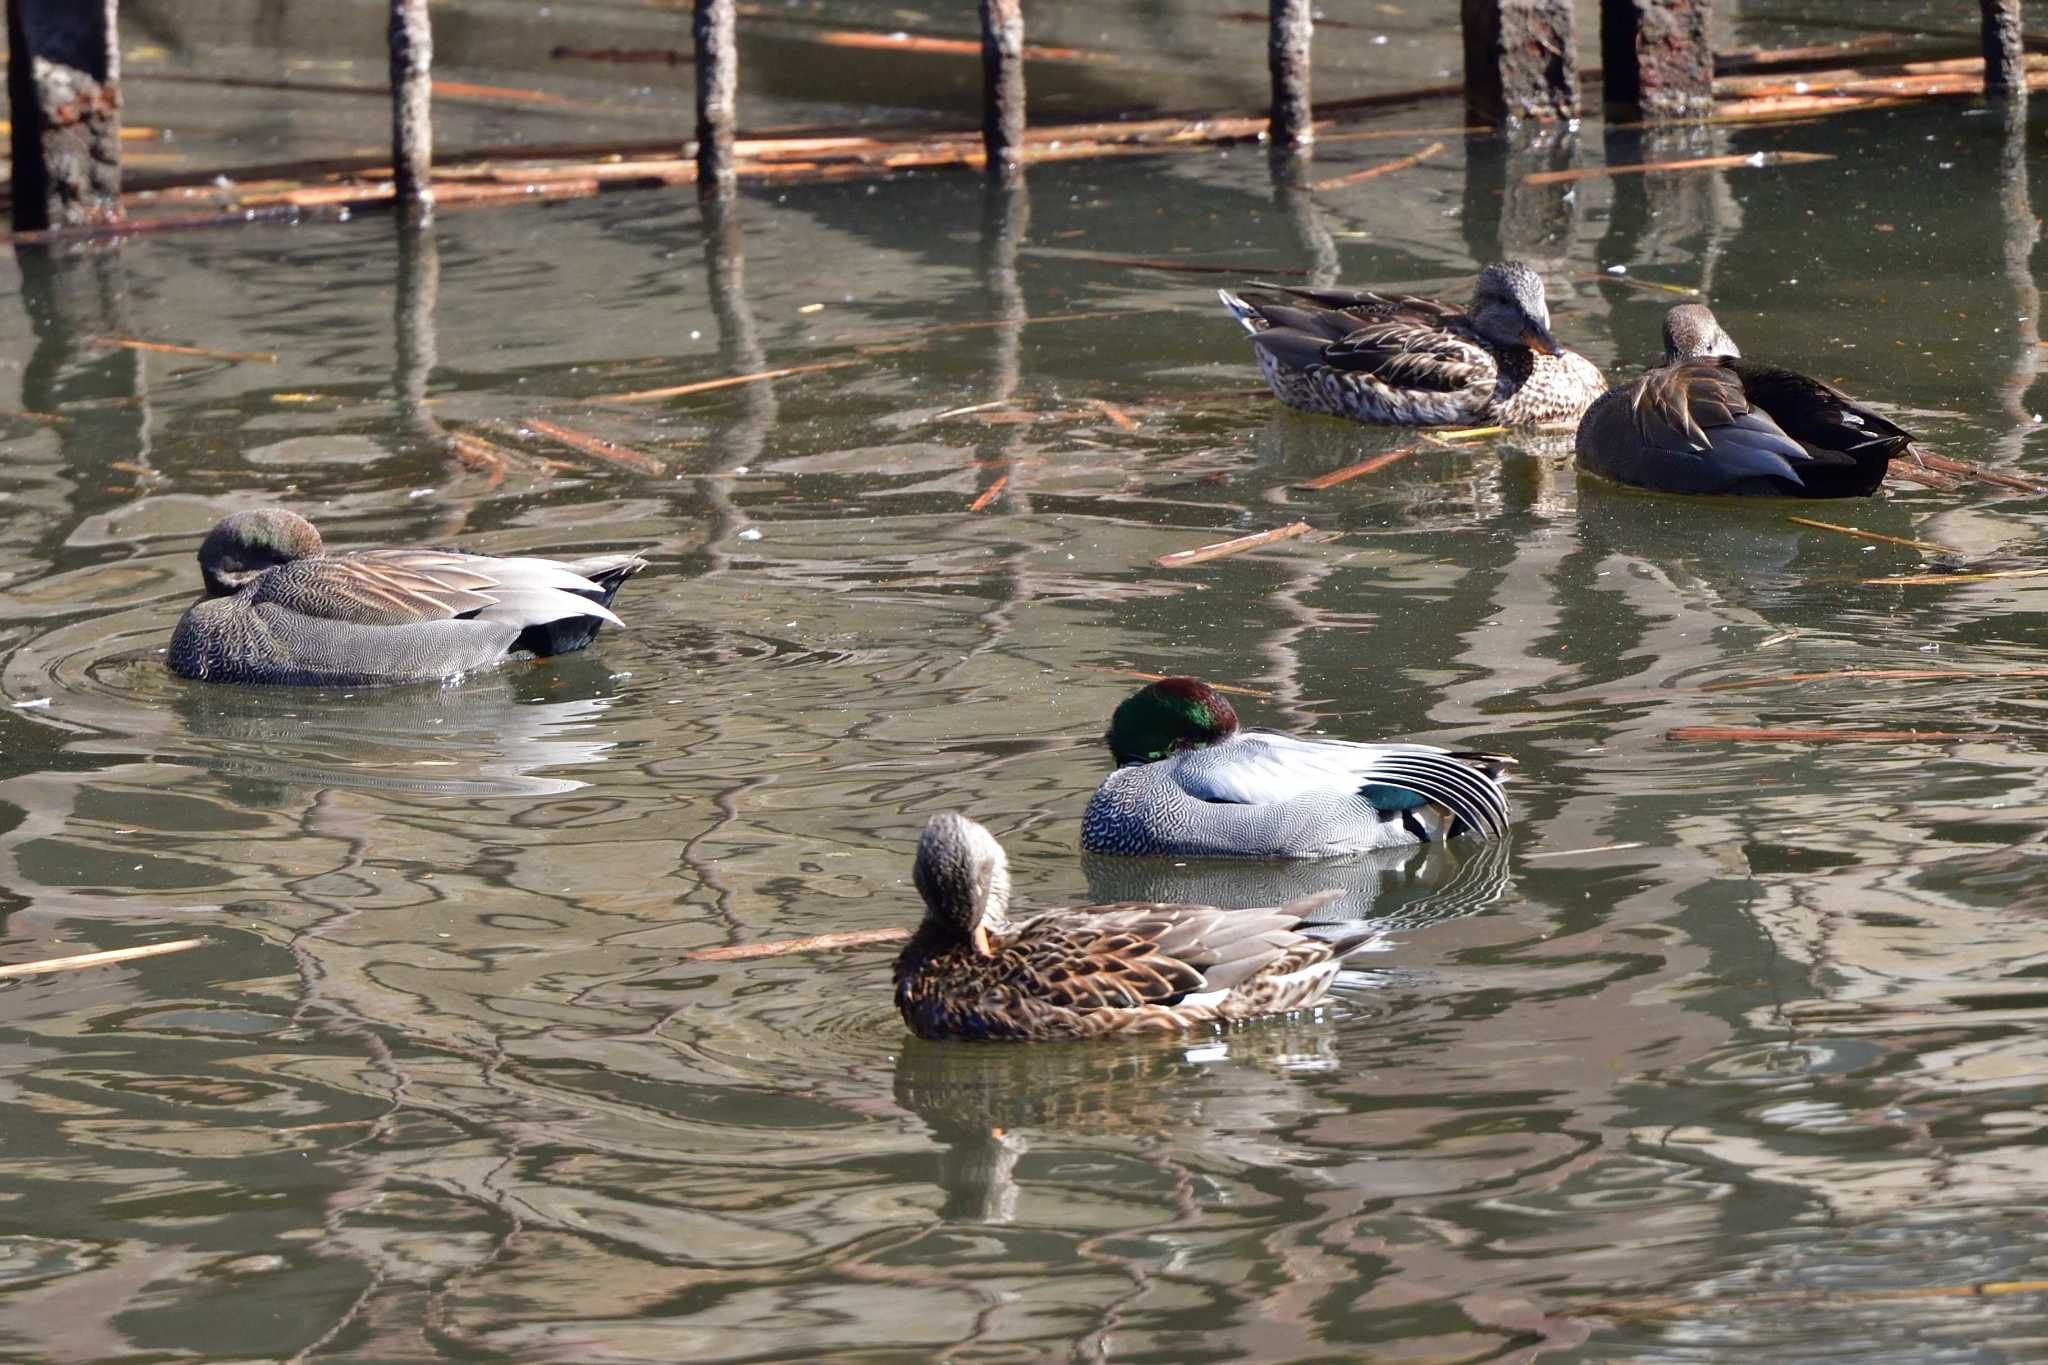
{"x": 1700, "y": 410}
{"x": 1262, "y": 768}
{"x": 1818, "y": 415}
{"x": 412, "y": 586}
{"x": 1413, "y": 351}
{"x": 1133, "y": 955}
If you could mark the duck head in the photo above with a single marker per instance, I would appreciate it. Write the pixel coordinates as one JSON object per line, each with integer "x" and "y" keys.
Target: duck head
{"x": 965, "y": 881}
{"x": 1165, "y": 717}
{"x": 1691, "y": 330}
{"x": 1508, "y": 308}
{"x": 246, "y": 544}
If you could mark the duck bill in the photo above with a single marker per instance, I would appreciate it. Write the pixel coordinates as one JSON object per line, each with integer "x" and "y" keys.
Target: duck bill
{"x": 1539, "y": 340}
{"x": 983, "y": 947}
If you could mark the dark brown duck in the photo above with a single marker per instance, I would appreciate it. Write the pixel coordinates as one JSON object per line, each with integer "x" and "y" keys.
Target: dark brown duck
{"x": 1708, "y": 421}
{"x": 280, "y": 609}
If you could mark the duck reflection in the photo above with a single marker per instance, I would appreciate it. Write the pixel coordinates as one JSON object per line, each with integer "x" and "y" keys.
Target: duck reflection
{"x": 1399, "y": 887}
{"x": 988, "y": 1105}
{"x": 483, "y": 738}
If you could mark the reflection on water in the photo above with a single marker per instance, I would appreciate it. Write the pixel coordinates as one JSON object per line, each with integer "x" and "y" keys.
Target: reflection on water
{"x": 1719, "y": 1021}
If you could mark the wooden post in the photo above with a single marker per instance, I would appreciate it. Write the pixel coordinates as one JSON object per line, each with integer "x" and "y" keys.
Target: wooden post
{"x": 64, "y": 94}
{"x": 718, "y": 88}
{"x": 1002, "y": 85}
{"x": 1521, "y": 59}
{"x": 1287, "y": 53}
{"x": 412, "y": 107}
{"x": 1656, "y": 57}
{"x": 2005, "y": 51}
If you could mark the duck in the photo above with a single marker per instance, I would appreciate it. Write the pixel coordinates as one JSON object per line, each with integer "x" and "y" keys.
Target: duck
{"x": 969, "y": 972}
{"x": 281, "y": 609}
{"x": 1708, "y": 421}
{"x": 1190, "y": 783}
{"x": 1406, "y": 360}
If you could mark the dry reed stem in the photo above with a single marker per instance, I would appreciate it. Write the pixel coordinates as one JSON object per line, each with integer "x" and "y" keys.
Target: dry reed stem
{"x": 1697, "y": 734}
{"x": 170, "y": 348}
{"x": 1352, "y": 471}
{"x": 1984, "y": 576}
{"x": 730, "y": 381}
{"x": 1876, "y": 535}
{"x": 597, "y": 447}
{"x": 1399, "y": 163}
{"x": 782, "y": 947}
{"x": 990, "y": 494}
{"x": 1893, "y": 674}
{"x": 1113, "y": 413}
{"x": 1690, "y": 163}
{"x": 1602, "y": 276}
{"x": 1223, "y": 549}
{"x": 80, "y": 961}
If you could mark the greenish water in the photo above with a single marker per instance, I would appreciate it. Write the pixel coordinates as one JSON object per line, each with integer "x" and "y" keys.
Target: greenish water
{"x": 1734, "y": 1050}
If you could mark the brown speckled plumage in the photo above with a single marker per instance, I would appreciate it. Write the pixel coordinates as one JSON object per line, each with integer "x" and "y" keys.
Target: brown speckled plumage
{"x": 279, "y": 609}
{"x": 970, "y": 973}
{"x": 1412, "y": 361}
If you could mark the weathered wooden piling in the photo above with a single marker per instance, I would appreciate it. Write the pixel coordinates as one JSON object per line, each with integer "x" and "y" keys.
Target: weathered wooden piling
{"x": 412, "y": 107}
{"x": 1521, "y": 59}
{"x": 1287, "y": 54}
{"x": 1656, "y": 58}
{"x": 64, "y": 94}
{"x": 1002, "y": 85}
{"x": 2005, "y": 50}
{"x": 718, "y": 88}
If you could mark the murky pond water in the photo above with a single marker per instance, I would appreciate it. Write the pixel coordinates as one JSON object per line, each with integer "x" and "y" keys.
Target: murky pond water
{"x": 1734, "y": 1050}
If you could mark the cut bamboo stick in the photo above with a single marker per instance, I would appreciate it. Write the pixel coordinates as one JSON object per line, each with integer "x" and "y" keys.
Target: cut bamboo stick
{"x": 597, "y": 447}
{"x": 708, "y": 385}
{"x": 80, "y": 961}
{"x": 1353, "y": 471}
{"x": 169, "y": 348}
{"x": 1694, "y": 734}
{"x": 990, "y": 494}
{"x": 1984, "y": 576}
{"x": 1929, "y": 546}
{"x": 1690, "y": 163}
{"x": 1399, "y": 163}
{"x": 1223, "y": 549}
{"x": 782, "y": 947}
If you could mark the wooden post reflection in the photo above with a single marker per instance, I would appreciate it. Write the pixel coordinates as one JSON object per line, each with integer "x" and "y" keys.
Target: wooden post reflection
{"x": 2022, "y": 231}
{"x": 413, "y": 324}
{"x": 73, "y": 295}
{"x": 1290, "y": 167}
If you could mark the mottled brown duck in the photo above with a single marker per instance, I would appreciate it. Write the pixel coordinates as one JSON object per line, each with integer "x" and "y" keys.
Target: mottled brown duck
{"x": 1708, "y": 421}
{"x": 970, "y": 972}
{"x": 281, "y": 609}
{"x": 1406, "y": 360}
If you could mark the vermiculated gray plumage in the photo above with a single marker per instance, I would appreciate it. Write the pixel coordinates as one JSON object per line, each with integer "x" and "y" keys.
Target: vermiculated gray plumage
{"x": 281, "y": 610}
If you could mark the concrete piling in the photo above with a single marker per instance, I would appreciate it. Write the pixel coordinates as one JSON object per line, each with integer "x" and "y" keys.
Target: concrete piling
{"x": 1521, "y": 59}
{"x": 1656, "y": 58}
{"x": 64, "y": 95}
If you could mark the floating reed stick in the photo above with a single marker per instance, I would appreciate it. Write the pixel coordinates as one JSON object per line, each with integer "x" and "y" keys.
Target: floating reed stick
{"x": 782, "y": 947}
{"x": 990, "y": 494}
{"x": 1353, "y": 471}
{"x": 1708, "y": 734}
{"x": 1114, "y": 414}
{"x": 1894, "y": 674}
{"x": 80, "y": 961}
{"x": 1986, "y": 575}
{"x": 597, "y": 447}
{"x": 169, "y": 348}
{"x": 1876, "y": 535}
{"x": 1929, "y": 460}
{"x": 1399, "y": 163}
{"x": 1691, "y": 163}
{"x": 1603, "y": 277}
{"x": 707, "y": 385}
{"x": 1223, "y": 549}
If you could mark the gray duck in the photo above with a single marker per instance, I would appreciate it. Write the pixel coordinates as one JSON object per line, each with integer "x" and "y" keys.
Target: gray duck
{"x": 280, "y": 609}
{"x": 970, "y": 972}
{"x": 1408, "y": 360}
{"x": 1708, "y": 421}
{"x": 1189, "y": 782}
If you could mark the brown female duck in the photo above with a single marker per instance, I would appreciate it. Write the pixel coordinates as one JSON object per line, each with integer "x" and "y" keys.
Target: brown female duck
{"x": 970, "y": 972}
{"x": 1414, "y": 361}
{"x": 1708, "y": 421}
